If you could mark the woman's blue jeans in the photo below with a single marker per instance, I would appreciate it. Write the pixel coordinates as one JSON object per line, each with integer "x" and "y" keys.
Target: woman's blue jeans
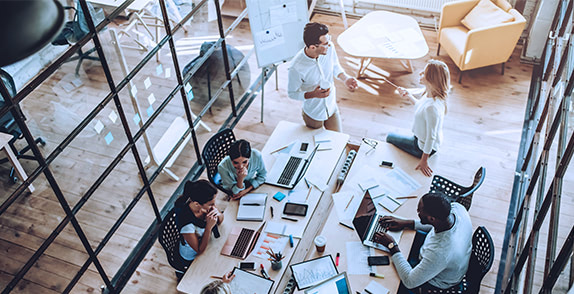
{"x": 409, "y": 144}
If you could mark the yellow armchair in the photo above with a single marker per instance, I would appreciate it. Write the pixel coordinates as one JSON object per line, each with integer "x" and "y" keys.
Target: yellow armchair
{"x": 478, "y": 47}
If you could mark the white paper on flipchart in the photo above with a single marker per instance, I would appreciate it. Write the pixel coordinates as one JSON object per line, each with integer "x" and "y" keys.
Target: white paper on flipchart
{"x": 269, "y": 38}
{"x": 399, "y": 183}
{"x": 357, "y": 265}
{"x": 283, "y": 14}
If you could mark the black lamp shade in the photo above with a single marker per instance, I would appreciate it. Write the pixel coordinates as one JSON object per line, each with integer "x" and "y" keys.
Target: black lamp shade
{"x": 27, "y": 26}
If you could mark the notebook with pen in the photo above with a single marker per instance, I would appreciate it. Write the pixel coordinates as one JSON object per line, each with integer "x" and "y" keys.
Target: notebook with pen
{"x": 289, "y": 169}
{"x": 366, "y": 223}
{"x": 241, "y": 241}
{"x": 252, "y": 207}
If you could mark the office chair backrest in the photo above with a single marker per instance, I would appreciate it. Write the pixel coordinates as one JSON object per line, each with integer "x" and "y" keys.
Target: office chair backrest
{"x": 7, "y": 122}
{"x": 169, "y": 238}
{"x": 77, "y": 28}
{"x": 481, "y": 259}
{"x": 456, "y": 192}
{"x": 213, "y": 153}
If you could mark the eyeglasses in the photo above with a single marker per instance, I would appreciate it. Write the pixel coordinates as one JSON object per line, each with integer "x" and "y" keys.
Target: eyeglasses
{"x": 372, "y": 143}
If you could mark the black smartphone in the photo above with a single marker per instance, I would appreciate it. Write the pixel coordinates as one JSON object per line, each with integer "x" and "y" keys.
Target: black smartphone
{"x": 304, "y": 147}
{"x": 295, "y": 209}
{"x": 378, "y": 260}
{"x": 387, "y": 164}
{"x": 250, "y": 266}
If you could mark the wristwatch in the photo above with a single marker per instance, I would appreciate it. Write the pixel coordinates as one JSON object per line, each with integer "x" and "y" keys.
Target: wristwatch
{"x": 391, "y": 245}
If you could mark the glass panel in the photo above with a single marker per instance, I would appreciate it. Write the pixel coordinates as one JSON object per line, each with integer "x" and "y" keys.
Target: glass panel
{"x": 90, "y": 282}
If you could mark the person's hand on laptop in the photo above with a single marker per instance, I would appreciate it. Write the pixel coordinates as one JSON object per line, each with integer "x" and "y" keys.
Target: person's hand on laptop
{"x": 384, "y": 238}
{"x": 395, "y": 224}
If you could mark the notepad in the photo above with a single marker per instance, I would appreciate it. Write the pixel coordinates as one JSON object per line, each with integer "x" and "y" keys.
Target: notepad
{"x": 252, "y": 207}
{"x": 389, "y": 203}
{"x": 323, "y": 140}
{"x": 245, "y": 280}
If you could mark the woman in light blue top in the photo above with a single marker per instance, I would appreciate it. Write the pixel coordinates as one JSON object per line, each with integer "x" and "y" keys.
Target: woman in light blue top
{"x": 242, "y": 170}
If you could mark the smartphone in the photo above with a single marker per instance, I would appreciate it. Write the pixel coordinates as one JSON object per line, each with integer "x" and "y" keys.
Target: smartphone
{"x": 292, "y": 208}
{"x": 250, "y": 266}
{"x": 304, "y": 147}
{"x": 387, "y": 164}
{"x": 378, "y": 260}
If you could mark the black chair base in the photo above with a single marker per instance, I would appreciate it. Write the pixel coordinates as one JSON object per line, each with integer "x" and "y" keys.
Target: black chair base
{"x": 20, "y": 154}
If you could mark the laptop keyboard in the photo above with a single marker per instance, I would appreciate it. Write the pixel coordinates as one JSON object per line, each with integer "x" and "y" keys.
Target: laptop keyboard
{"x": 378, "y": 228}
{"x": 242, "y": 243}
{"x": 289, "y": 170}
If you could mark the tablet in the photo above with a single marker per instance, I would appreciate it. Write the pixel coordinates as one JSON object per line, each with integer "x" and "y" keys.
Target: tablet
{"x": 312, "y": 272}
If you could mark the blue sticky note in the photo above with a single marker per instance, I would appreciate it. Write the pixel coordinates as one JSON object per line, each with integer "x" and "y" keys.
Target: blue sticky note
{"x": 190, "y": 95}
{"x": 279, "y": 196}
{"x": 149, "y": 110}
{"x": 137, "y": 118}
{"x": 159, "y": 69}
{"x": 109, "y": 138}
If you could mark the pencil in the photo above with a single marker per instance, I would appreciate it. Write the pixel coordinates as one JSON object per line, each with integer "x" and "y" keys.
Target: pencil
{"x": 216, "y": 277}
{"x": 390, "y": 83}
{"x": 351, "y": 200}
{"x": 279, "y": 149}
{"x": 406, "y": 197}
{"x": 308, "y": 193}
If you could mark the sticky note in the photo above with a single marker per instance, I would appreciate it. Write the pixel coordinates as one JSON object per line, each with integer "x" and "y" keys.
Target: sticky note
{"x": 187, "y": 88}
{"x": 168, "y": 73}
{"x": 113, "y": 116}
{"x": 99, "y": 126}
{"x": 151, "y": 98}
{"x": 279, "y": 196}
{"x": 159, "y": 69}
{"x": 134, "y": 90}
{"x": 149, "y": 110}
{"x": 109, "y": 138}
{"x": 190, "y": 95}
{"x": 137, "y": 118}
{"x": 147, "y": 83}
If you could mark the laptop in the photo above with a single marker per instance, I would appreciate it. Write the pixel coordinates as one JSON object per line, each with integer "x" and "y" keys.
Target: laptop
{"x": 241, "y": 242}
{"x": 338, "y": 284}
{"x": 289, "y": 169}
{"x": 366, "y": 223}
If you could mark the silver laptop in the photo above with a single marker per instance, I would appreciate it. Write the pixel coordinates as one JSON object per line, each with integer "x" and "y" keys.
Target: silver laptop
{"x": 289, "y": 169}
{"x": 338, "y": 284}
{"x": 366, "y": 223}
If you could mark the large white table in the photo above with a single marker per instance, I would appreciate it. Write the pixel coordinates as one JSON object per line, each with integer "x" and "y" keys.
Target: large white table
{"x": 211, "y": 262}
{"x": 383, "y": 34}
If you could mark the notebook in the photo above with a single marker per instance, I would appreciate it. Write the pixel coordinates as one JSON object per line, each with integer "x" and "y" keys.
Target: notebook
{"x": 289, "y": 169}
{"x": 366, "y": 223}
{"x": 312, "y": 272}
{"x": 252, "y": 207}
{"x": 245, "y": 280}
{"x": 241, "y": 242}
{"x": 338, "y": 284}
{"x": 323, "y": 140}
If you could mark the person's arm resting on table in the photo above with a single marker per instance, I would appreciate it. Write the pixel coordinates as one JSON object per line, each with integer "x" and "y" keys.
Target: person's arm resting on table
{"x": 430, "y": 266}
{"x": 261, "y": 172}
{"x": 229, "y": 181}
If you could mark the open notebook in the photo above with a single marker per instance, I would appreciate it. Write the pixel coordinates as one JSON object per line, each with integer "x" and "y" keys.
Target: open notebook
{"x": 252, "y": 207}
{"x": 246, "y": 282}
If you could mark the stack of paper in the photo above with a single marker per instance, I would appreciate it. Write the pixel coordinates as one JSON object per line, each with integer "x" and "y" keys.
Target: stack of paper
{"x": 252, "y": 207}
{"x": 324, "y": 141}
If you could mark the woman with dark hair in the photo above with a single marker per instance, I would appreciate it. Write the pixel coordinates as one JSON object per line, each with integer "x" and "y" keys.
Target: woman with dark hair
{"x": 243, "y": 170}
{"x": 196, "y": 214}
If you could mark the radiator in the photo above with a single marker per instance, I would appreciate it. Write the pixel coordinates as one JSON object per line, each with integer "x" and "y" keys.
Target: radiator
{"x": 422, "y": 5}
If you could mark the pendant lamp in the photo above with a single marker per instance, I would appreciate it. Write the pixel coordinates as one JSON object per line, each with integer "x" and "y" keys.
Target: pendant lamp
{"x": 26, "y": 26}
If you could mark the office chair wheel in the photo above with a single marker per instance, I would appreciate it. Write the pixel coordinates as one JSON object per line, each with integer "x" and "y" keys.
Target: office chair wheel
{"x": 42, "y": 142}
{"x": 15, "y": 180}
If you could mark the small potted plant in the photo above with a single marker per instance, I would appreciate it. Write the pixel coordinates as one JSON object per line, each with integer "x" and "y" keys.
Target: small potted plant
{"x": 275, "y": 259}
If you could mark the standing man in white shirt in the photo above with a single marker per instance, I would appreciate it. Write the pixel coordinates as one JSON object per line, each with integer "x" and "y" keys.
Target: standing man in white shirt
{"x": 311, "y": 79}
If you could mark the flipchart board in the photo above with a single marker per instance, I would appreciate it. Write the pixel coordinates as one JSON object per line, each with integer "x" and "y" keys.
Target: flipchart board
{"x": 277, "y": 28}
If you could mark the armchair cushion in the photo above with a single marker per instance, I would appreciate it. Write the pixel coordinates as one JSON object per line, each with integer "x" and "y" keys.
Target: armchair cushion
{"x": 485, "y": 14}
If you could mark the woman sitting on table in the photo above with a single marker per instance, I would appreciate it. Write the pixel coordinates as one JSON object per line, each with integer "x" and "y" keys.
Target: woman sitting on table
{"x": 242, "y": 170}
{"x": 429, "y": 115}
{"x": 196, "y": 214}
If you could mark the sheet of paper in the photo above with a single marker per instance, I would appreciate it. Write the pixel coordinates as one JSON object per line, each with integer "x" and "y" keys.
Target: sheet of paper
{"x": 283, "y": 14}
{"x": 368, "y": 183}
{"x": 281, "y": 228}
{"x": 248, "y": 283}
{"x": 377, "y": 191}
{"x": 389, "y": 203}
{"x": 269, "y": 38}
{"x": 399, "y": 183}
{"x": 99, "y": 126}
{"x": 316, "y": 180}
{"x": 298, "y": 196}
{"x": 268, "y": 240}
{"x": 341, "y": 200}
{"x": 358, "y": 264}
{"x": 376, "y": 288}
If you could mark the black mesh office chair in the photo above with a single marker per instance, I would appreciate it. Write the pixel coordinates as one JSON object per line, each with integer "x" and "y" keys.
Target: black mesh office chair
{"x": 8, "y": 125}
{"x": 456, "y": 192}
{"x": 480, "y": 262}
{"x": 76, "y": 29}
{"x": 169, "y": 238}
{"x": 213, "y": 153}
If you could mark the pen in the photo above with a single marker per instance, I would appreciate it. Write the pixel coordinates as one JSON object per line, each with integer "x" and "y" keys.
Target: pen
{"x": 368, "y": 292}
{"x": 346, "y": 226}
{"x": 271, "y": 207}
{"x": 251, "y": 204}
{"x": 308, "y": 193}
{"x": 288, "y": 218}
{"x": 406, "y": 197}
{"x": 377, "y": 275}
{"x": 263, "y": 272}
{"x": 291, "y": 240}
{"x": 351, "y": 200}
{"x": 279, "y": 149}
{"x": 216, "y": 277}
{"x": 337, "y": 259}
{"x": 307, "y": 183}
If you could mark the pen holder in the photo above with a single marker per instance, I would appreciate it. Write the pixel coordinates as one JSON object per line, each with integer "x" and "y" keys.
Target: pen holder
{"x": 276, "y": 265}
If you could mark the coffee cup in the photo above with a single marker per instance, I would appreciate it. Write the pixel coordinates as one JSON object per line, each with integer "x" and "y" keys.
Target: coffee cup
{"x": 320, "y": 243}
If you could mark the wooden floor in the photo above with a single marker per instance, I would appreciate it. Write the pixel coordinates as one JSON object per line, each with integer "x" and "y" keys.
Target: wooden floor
{"x": 482, "y": 128}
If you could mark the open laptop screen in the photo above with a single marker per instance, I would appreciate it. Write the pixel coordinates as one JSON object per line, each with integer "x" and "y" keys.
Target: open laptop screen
{"x": 364, "y": 214}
